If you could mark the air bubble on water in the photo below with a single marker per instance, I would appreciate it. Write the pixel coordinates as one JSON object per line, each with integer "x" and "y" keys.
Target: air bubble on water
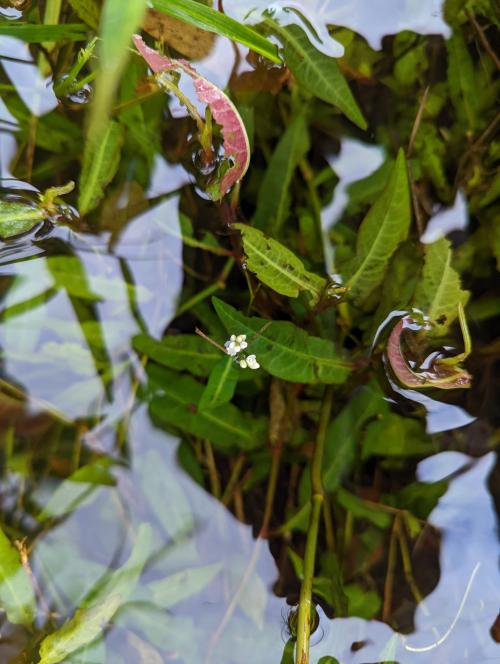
{"x": 201, "y": 164}
{"x": 244, "y": 265}
{"x": 81, "y": 96}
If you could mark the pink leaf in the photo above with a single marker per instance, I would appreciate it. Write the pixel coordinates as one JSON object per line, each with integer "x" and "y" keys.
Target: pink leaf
{"x": 236, "y": 146}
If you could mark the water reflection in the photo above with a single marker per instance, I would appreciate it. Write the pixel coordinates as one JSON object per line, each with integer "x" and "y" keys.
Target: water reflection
{"x": 453, "y": 622}
{"x": 52, "y": 314}
{"x": 192, "y": 533}
{"x": 373, "y": 19}
{"x": 455, "y": 218}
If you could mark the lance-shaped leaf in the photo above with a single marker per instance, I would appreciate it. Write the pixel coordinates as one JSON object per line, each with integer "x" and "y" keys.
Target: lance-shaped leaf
{"x": 17, "y": 598}
{"x": 273, "y": 201}
{"x": 221, "y": 384}
{"x": 316, "y": 72}
{"x": 278, "y": 267}
{"x": 381, "y": 231}
{"x": 100, "y": 606}
{"x": 439, "y": 292}
{"x": 187, "y": 352}
{"x": 177, "y": 406}
{"x": 17, "y": 218}
{"x": 236, "y": 146}
{"x": 284, "y": 350}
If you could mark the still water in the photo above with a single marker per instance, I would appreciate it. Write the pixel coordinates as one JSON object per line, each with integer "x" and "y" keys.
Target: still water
{"x": 71, "y": 303}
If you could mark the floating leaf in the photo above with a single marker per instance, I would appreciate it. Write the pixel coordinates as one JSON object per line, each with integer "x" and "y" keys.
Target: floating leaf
{"x": 221, "y": 384}
{"x": 273, "y": 201}
{"x": 278, "y": 267}
{"x": 175, "y": 588}
{"x": 317, "y": 72}
{"x": 17, "y": 597}
{"x": 285, "y": 350}
{"x": 381, "y": 231}
{"x": 100, "y": 606}
{"x": 100, "y": 163}
{"x": 439, "y": 292}
{"x": 187, "y": 352}
{"x": 202, "y": 16}
{"x": 236, "y": 146}
{"x": 17, "y": 218}
{"x": 225, "y": 426}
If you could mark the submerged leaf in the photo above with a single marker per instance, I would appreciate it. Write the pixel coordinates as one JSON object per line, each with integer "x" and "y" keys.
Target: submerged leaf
{"x": 439, "y": 291}
{"x": 17, "y": 597}
{"x": 100, "y": 163}
{"x": 100, "y": 606}
{"x": 285, "y": 350}
{"x": 273, "y": 202}
{"x": 381, "y": 231}
{"x": 176, "y": 406}
{"x": 317, "y": 72}
{"x": 236, "y": 146}
{"x": 278, "y": 267}
{"x": 221, "y": 384}
{"x": 179, "y": 586}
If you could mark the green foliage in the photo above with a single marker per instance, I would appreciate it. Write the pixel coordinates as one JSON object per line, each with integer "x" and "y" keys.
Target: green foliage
{"x": 273, "y": 202}
{"x": 177, "y": 406}
{"x": 88, "y": 10}
{"x": 278, "y": 267}
{"x": 40, "y": 33}
{"x": 186, "y": 352}
{"x": 17, "y": 597}
{"x": 100, "y": 163}
{"x": 198, "y": 14}
{"x": 393, "y": 435}
{"x": 384, "y": 227}
{"x": 16, "y": 218}
{"x": 462, "y": 80}
{"x": 318, "y": 73}
{"x": 177, "y": 587}
{"x": 439, "y": 291}
{"x": 285, "y": 350}
{"x": 221, "y": 384}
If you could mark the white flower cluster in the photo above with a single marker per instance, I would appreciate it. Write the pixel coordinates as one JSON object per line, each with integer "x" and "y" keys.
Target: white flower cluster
{"x": 234, "y": 345}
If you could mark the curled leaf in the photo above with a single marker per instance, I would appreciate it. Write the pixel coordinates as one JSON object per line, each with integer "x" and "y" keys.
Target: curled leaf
{"x": 236, "y": 145}
{"x": 439, "y": 374}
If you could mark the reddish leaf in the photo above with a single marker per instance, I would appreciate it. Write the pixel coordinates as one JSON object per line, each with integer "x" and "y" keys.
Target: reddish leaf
{"x": 438, "y": 375}
{"x": 236, "y": 146}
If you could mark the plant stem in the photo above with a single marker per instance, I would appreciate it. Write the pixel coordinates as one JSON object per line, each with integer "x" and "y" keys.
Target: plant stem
{"x": 305, "y": 601}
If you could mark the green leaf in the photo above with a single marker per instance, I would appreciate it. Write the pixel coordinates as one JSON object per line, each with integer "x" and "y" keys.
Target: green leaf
{"x": 175, "y": 588}
{"x": 363, "y": 510}
{"x": 88, "y": 10}
{"x": 79, "y": 486}
{"x": 17, "y": 218}
{"x": 226, "y": 426}
{"x": 186, "y": 352}
{"x": 221, "y": 384}
{"x": 439, "y": 292}
{"x": 381, "y": 231}
{"x": 393, "y": 435}
{"x": 344, "y": 431}
{"x": 32, "y": 33}
{"x": 462, "y": 80}
{"x": 206, "y": 18}
{"x": 318, "y": 73}
{"x": 362, "y": 603}
{"x": 85, "y": 626}
{"x": 100, "y": 606}
{"x": 278, "y": 267}
{"x": 17, "y": 597}
{"x": 285, "y": 350}
{"x": 100, "y": 163}
{"x": 273, "y": 201}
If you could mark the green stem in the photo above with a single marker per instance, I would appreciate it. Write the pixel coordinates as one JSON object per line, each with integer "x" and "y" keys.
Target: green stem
{"x": 305, "y": 601}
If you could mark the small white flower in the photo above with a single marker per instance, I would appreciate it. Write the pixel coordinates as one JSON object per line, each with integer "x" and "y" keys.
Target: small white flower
{"x": 251, "y": 361}
{"x": 243, "y": 364}
{"x": 232, "y": 348}
{"x": 241, "y": 338}
{"x": 243, "y": 345}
